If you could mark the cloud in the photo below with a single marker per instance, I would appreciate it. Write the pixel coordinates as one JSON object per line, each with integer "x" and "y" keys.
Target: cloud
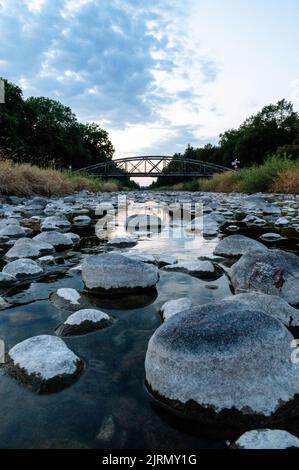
{"x": 158, "y": 75}
{"x": 120, "y": 62}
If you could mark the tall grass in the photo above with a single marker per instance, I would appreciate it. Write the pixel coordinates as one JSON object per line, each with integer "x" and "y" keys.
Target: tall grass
{"x": 27, "y": 180}
{"x": 277, "y": 174}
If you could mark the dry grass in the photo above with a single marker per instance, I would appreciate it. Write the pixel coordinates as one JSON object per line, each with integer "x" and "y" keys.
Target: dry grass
{"x": 223, "y": 183}
{"x": 28, "y": 180}
{"x": 277, "y": 174}
{"x": 286, "y": 182}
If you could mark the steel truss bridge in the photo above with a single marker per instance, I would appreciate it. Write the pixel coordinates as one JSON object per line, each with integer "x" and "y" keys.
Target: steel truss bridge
{"x": 153, "y": 166}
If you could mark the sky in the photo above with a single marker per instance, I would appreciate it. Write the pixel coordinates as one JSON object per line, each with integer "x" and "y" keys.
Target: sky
{"x": 159, "y": 74}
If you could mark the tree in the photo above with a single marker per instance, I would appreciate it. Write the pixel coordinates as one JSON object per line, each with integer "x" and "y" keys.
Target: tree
{"x": 12, "y": 119}
{"x": 45, "y": 132}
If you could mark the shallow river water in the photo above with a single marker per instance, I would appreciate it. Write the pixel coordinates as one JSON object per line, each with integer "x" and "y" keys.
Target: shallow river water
{"x": 108, "y": 406}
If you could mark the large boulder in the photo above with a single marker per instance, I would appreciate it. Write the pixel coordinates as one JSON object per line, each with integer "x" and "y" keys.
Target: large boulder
{"x": 172, "y": 307}
{"x": 274, "y": 272}
{"x": 114, "y": 273}
{"x": 27, "y": 248}
{"x": 23, "y": 269}
{"x": 269, "y": 304}
{"x": 224, "y": 366}
{"x": 84, "y": 321}
{"x": 44, "y": 363}
{"x": 237, "y": 245}
{"x": 267, "y": 439}
{"x": 60, "y": 241}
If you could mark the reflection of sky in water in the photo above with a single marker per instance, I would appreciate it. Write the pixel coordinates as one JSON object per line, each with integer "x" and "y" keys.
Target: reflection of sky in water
{"x": 111, "y": 389}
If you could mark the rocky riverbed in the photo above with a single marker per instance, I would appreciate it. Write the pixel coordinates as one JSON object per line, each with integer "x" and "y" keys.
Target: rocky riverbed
{"x": 130, "y": 323}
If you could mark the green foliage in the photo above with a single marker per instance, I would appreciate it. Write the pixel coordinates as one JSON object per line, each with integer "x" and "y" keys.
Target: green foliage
{"x": 277, "y": 174}
{"x": 273, "y": 130}
{"x": 45, "y": 132}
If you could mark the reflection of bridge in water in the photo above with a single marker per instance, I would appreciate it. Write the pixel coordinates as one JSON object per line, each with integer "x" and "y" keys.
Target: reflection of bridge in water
{"x": 153, "y": 166}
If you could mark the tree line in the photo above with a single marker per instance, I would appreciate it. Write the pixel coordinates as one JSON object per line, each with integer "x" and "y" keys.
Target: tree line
{"x": 44, "y": 132}
{"x": 272, "y": 131}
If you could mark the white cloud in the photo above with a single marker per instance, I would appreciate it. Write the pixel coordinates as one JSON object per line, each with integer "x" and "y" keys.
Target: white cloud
{"x": 35, "y": 6}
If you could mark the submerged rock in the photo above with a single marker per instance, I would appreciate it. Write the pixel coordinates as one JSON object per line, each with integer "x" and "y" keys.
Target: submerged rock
{"x": 44, "y": 363}
{"x": 84, "y": 321}
{"x": 23, "y": 269}
{"x": 274, "y": 272}
{"x": 27, "y": 248}
{"x": 60, "y": 241}
{"x": 113, "y": 272}
{"x": 172, "y": 307}
{"x": 224, "y": 366}
{"x": 267, "y": 439}
{"x": 237, "y": 245}
{"x": 271, "y": 237}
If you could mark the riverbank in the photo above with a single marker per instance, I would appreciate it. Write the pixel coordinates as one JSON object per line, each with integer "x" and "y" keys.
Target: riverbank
{"x": 29, "y": 180}
{"x": 276, "y": 175}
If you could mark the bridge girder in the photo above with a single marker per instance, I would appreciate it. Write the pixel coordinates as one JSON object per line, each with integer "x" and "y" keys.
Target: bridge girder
{"x": 152, "y": 166}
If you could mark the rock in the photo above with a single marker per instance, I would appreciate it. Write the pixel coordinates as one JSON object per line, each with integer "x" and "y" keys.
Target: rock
{"x": 282, "y": 222}
{"x": 82, "y": 220}
{"x": 253, "y": 220}
{"x": 225, "y": 366}
{"x": 274, "y": 272}
{"x": 27, "y": 248}
{"x": 258, "y": 204}
{"x": 46, "y": 261}
{"x": 84, "y": 321}
{"x": 69, "y": 295}
{"x": 139, "y": 256}
{"x": 115, "y": 273}
{"x": 201, "y": 269}
{"x": 36, "y": 204}
{"x": 73, "y": 237}
{"x": 165, "y": 260}
{"x": 267, "y": 439}
{"x": 23, "y": 269}
{"x": 232, "y": 228}
{"x": 122, "y": 242}
{"x": 55, "y": 222}
{"x": 60, "y": 241}
{"x": 172, "y": 307}
{"x": 3, "y": 303}
{"x": 147, "y": 222}
{"x": 237, "y": 245}
{"x": 271, "y": 237}
{"x": 12, "y": 231}
{"x": 7, "y": 280}
{"x": 269, "y": 304}
{"x": 44, "y": 363}
{"x": 69, "y": 200}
